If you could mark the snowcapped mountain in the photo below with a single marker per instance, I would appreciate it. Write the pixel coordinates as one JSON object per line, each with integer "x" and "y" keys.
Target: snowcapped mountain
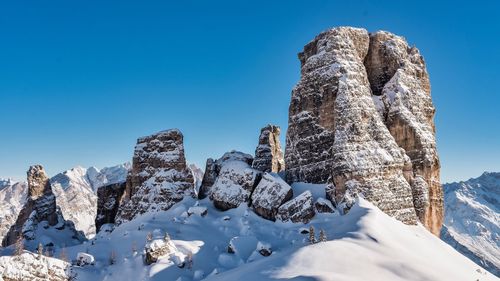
{"x": 197, "y": 175}
{"x": 75, "y": 192}
{"x": 472, "y": 219}
{"x": 76, "y": 188}
{"x": 12, "y": 199}
{"x": 239, "y": 245}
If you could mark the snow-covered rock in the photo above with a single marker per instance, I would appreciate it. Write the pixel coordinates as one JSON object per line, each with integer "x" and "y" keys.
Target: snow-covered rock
{"x": 323, "y": 205}
{"x": 472, "y": 219}
{"x": 159, "y": 177}
{"x": 197, "y": 210}
{"x": 269, "y": 195}
{"x": 299, "y": 209}
{"x": 160, "y": 248}
{"x": 29, "y": 266}
{"x": 339, "y": 131}
{"x": 242, "y": 246}
{"x": 83, "y": 259}
{"x": 268, "y": 154}
{"x": 235, "y": 181}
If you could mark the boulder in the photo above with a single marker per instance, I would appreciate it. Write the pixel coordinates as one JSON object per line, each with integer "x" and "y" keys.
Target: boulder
{"x": 268, "y": 154}
{"x": 323, "y": 205}
{"x": 235, "y": 181}
{"x": 159, "y": 177}
{"x": 299, "y": 209}
{"x": 269, "y": 195}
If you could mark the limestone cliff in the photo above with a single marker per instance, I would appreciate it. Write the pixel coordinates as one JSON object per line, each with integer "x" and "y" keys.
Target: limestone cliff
{"x": 361, "y": 119}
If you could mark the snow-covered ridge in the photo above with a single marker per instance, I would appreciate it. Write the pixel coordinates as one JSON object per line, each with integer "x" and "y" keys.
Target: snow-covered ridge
{"x": 472, "y": 219}
{"x": 230, "y": 246}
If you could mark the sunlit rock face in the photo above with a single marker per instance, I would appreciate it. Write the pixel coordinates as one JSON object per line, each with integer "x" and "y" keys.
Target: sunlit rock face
{"x": 268, "y": 154}
{"x": 361, "y": 120}
{"x": 159, "y": 177}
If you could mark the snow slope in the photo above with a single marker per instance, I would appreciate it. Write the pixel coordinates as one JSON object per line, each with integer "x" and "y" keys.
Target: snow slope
{"x": 362, "y": 244}
{"x": 472, "y": 219}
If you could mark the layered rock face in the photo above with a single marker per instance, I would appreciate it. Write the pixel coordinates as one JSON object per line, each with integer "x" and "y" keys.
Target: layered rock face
{"x": 159, "y": 177}
{"x": 268, "y": 154}
{"x": 40, "y": 213}
{"x": 108, "y": 202}
{"x": 235, "y": 181}
{"x": 361, "y": 118}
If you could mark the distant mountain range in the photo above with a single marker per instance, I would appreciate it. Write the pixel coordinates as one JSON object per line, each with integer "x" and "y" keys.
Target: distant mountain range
{"x": 472, "y": 219}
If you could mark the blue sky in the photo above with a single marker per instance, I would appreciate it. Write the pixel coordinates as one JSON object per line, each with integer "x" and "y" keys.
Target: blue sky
{"x": 81, "y": 80}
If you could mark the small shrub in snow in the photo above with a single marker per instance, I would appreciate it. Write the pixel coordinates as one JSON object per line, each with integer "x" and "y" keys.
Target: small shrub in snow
{"x": 312, "y": 235}
{"x": 39, "y": 250}
{"x": 19, "y": 246}
{"x": 63, "y": 255}
{"x": 112, "y": 257}
{"x": 322, "y": 236}
{"x": 149, "y": 236}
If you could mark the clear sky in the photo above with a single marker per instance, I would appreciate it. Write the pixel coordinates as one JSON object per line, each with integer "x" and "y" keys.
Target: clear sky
{"x": 80, "y": 81}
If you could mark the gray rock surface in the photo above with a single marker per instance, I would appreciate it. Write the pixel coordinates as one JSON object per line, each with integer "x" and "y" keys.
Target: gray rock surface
{"x": 159, "y": 177}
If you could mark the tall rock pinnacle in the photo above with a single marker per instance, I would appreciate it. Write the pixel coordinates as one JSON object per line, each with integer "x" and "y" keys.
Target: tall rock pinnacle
{"x": 268, "y": 154}
{"x": 361, "y": 119}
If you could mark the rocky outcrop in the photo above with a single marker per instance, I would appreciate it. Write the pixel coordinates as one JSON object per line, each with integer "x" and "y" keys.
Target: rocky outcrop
{"x": 41, "y": 209}
{"x": 362, "y": 113}
{"x": 401, "y": 89}
{"x": 299, "y": 209}
{"x": 159, "y": 177}
{"x": 211, "y": 172}
{"x": 29, "y": 266}
{"x": 108, "y": 201}
{"x": 269, "y": 195}
{"x": 235, "y": 181}
{"x": 268, "y": 154}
